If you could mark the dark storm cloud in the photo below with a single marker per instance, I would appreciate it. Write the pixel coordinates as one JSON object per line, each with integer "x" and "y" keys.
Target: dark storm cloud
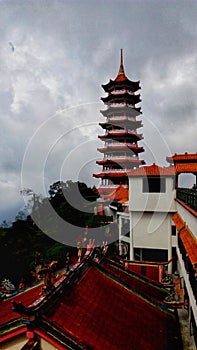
{"x": 63, "y": 52}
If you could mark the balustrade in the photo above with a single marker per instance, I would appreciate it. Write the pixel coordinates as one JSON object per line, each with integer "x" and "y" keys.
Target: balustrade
{"x": 187, "y": 196}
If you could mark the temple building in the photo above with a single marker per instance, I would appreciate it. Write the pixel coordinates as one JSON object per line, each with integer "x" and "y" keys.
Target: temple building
{"x": 120, "y": 150}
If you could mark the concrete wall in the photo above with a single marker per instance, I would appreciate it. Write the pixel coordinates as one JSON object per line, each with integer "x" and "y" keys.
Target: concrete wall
{"x": 142, "y": 201}
{"x": 151, "y": 230}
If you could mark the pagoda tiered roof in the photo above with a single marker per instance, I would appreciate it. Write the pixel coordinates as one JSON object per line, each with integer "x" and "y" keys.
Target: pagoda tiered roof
{"x": 122, "y": 160}
{"x": 122, "y": 120}
{"x": 121, "y": 147}
{"x": 121, "y": 98}
{"x": 121, "y": 126}
{"x": 121, "y": 108}
{"x": 114, "y": 133}
{"x": 121, "y": 80}
{"x": 125, "y": 82}
{"x": 112, "y": 174}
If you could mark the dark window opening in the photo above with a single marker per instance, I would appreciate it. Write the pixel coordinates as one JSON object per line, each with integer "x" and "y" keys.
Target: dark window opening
{"x": 173, "y": 230}
{"x": 154, "y": 184}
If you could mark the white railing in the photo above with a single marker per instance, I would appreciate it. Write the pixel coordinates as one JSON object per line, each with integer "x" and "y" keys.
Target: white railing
{"x": 120, "y": 157}
{"x": 121, "y": 118}
{"x": 119, "y": 144}
{"x": 111, "y": 186}
{"x": 115, "y": 170}
{"x": 123, "y": 91}
{"x": 120, "y": 131}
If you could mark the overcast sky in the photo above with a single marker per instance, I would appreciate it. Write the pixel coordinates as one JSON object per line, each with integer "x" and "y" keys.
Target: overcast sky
{"x": 54, "y": 56}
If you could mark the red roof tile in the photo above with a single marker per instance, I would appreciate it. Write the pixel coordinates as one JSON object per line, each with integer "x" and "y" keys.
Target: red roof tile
{"x": 149, "y": 289}
{"x": 180, "y": 224}
{"x": 181, "y": 157}
{"x": 190, "y": 244}
{"x": 104, "y": 314}
{"x": 153, "y": 170}
{"x": 27, "y": 297}
{"x": 119, "y": 194}
{"x": 186, "y": 167}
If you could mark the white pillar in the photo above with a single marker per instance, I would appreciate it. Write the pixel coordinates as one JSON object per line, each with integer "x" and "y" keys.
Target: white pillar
{"x": 169, "y": 244}
{"x": 131, "y": 236}
{"x": 120, "y": 231}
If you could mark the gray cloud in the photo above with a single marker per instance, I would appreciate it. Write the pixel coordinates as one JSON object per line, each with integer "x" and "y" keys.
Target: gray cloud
{"x": 63, "y": 52}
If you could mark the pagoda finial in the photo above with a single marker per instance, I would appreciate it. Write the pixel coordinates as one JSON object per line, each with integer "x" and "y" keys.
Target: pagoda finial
{"x": 121, "y": 57}
{"x": 121, "y": 74}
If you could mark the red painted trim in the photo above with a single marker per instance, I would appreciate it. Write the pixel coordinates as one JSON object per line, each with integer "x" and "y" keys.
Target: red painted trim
{"x": 192, "y": 211}
{"x": 50, "y": 340}
{"x": 13, "y": 334}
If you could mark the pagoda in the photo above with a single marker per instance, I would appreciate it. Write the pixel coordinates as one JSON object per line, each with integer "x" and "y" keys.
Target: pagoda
{"x": 120, "y": 150}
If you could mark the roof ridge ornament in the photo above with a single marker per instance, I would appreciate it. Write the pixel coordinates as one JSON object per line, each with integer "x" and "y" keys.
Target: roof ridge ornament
{"x": 121, "y": 74}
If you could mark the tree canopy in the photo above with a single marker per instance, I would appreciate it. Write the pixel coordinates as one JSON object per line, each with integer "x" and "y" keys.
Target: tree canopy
{"x": 72, "y": 201}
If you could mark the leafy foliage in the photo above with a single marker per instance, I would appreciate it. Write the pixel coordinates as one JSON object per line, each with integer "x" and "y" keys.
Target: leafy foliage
{"x": 20, "y": 241}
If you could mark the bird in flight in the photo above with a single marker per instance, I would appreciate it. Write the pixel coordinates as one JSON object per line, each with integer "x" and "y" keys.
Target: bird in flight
{"x": 11, "y": 46}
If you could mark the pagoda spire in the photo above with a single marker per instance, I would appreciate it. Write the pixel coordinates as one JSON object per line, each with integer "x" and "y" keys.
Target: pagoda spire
{"x": 121, "y": 74}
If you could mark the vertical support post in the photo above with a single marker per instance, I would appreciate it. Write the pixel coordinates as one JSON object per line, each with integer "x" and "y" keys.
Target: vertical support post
{"x": 169, "y": 244}
{"x": 131, "y": 236}
{"x": 120, "y": 231}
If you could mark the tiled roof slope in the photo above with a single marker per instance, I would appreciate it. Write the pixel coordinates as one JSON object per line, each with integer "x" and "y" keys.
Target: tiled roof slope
{"x": 186, "y": 167}
{"x": 187, "y": 237}
{"x": 153, "y": 170}
{"x": 102, "y": 313}
{"x": 190, "y": 244}
{"x": 149, "y": 289}
{"x": 120, "y": 193}
{"x": 182, "y": 157}
{"x": 27, "y": 297}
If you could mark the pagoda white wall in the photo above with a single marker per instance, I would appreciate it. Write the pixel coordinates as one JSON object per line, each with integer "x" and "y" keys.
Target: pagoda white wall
{"x": 155, "y": 202}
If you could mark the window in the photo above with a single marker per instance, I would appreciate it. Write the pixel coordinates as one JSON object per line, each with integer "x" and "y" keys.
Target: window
{"x": 154, "y": 184}
{"x": 173, "y": 230}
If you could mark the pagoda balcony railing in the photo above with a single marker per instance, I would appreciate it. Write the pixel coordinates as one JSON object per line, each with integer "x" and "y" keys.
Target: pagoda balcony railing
{"x": 123, "y": 91}
{"x": 187, "y": 196}
{"x": 121, "y": 105}
{"x": 120, "y": 157}
{"x": 121, "y": 117}
{"x": 119, "y": 144}
{"x": 120, "y": 131}
{"x": 115, "y": 170}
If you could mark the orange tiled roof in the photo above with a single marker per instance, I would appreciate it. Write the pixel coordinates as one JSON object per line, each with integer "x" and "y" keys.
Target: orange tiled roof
{"x": 186, "y": 156}
{"x": 186, "y": 167}
{"x": 120, "y": 194}
{"x": 180, "y": 224}
{"x": 153, "y": 170}
{"x": 190, "y": 244}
